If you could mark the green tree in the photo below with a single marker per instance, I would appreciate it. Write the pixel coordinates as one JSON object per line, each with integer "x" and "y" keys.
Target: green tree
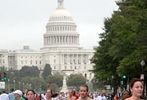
{"x": 56, "y": 79}
{"x": 29, "y": 71}
{"x": 47, "y": 71}
{"x": 38, "y": 84}
{"x": 123, "y": 43}
{"x": 75, "y": 80}
{"x": 134, "y": 13}
{"x": 54, "y": 87}
{"x": 104, "y": 64}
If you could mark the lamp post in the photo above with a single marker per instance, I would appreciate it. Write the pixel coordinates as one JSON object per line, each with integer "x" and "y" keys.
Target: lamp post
{"x": 112, "y": 84}
{"x": 23, "y": 86}
{"x": 14, "y": 84}
{"x": 19, "y": 84}
{"x": 142, "y": 63}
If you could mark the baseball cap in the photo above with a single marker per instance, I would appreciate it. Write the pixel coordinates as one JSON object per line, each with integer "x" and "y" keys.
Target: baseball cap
{"x": 19, "y": 92}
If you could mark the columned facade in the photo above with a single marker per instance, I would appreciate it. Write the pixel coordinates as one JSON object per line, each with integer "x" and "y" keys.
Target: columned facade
{"x": 61, "y": 39}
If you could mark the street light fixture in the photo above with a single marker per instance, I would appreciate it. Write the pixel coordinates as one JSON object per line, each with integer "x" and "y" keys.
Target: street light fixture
{"x": 142, "y": 63}
{"x": 14, "y": 84}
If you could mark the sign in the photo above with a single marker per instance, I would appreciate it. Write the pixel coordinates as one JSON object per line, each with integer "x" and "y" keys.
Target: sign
{"x": 2, "y": 85}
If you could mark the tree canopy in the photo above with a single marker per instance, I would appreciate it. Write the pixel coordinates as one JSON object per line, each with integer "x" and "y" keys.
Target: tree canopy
{"x": 56, "y": 78}
{"x": 32, "y": 71}
{"x": 47, "y": 71}
{"x": 123, "y": 43}
{"x": 75, "y": 80}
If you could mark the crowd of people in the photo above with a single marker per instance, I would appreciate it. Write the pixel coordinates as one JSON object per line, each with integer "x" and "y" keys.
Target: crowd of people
{"x": 135, "y": 93}
{"x": 48, "y": 95}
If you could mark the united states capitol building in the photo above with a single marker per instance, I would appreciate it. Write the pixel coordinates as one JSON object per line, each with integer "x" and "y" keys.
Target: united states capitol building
{"x": 61, "y": 48}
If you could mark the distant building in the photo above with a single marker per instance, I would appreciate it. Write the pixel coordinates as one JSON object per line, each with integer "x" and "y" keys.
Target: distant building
{"x": 61, "y": 48}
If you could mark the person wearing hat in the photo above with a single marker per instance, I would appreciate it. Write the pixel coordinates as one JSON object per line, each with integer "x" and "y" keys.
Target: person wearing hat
{"x": 18, "y": 95}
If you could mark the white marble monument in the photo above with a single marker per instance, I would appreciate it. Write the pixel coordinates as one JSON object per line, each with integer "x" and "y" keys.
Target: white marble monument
{"x": 64, "y": 87}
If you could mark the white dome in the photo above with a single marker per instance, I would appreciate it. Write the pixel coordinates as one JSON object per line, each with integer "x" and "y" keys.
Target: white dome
{"x": 61, "y": 12}
{"x": 61, "y": 30}
{"x": 61, "y": 15}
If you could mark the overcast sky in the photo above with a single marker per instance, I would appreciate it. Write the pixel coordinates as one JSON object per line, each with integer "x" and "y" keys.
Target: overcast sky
{"x": 22, "y": 22}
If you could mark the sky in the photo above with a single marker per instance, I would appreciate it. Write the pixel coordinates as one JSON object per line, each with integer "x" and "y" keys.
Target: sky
{"x": 22, "y": 22}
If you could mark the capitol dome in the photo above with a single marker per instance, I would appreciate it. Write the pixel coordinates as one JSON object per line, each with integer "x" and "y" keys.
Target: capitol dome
{"x": 61, "y": 29}
{"x": 61, "y": 12}
{"x": 60, "y": 15}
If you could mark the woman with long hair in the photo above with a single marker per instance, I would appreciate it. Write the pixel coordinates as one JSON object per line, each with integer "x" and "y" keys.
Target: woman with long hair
{"x": 72, "y": 95}
{"x": 136, "y": 88}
